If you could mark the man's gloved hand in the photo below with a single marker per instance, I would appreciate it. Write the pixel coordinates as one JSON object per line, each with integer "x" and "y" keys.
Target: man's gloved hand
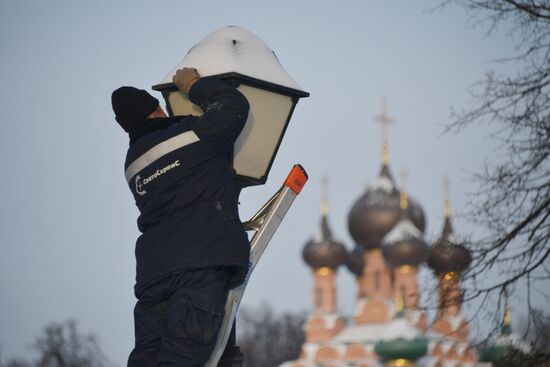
{"x": 185, "y": 78}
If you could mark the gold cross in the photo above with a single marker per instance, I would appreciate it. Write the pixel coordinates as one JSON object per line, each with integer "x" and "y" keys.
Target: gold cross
{"x": 385, "y": 120}
{"x": 507, "y": 316}
{"x": 324, "y": 202}
{"x": 403, "y": 198}
{"x": 447, "y": 188}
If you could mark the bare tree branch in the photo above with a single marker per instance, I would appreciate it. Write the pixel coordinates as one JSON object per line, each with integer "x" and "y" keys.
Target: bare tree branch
{"x": 513, "y": 201}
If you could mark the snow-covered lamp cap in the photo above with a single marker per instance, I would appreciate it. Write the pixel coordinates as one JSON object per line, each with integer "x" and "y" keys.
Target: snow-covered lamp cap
{"x": 238, "y": 56}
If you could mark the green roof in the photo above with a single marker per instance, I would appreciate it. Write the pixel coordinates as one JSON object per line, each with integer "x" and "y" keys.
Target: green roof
{"x": 494, "y": 353}
{"x": 402, "y": 348}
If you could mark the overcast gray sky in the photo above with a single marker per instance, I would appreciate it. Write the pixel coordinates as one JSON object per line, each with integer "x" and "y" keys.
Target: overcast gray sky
{"x": 68, "y": 222}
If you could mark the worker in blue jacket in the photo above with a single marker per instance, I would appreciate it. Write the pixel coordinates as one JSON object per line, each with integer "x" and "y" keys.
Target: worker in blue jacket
{"x": 193, "y": 247}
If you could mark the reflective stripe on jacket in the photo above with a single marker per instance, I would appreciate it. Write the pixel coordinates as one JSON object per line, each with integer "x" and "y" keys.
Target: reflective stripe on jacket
{"x": 183, "y": 184}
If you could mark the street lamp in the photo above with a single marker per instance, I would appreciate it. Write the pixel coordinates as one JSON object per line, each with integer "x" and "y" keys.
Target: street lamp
{"x": 239, "y": 57}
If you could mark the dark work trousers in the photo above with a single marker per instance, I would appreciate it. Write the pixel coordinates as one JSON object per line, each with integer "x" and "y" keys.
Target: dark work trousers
{"x": 178, "y": 319}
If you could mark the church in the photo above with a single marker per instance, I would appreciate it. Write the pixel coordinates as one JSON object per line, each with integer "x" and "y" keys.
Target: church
{"x": 388, "y": 327}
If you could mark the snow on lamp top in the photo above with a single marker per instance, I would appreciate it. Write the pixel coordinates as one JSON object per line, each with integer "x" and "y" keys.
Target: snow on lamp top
{"x": 234, "y": 49}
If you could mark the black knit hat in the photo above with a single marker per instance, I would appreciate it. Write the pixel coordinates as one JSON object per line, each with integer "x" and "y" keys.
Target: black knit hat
{"x": 132, "y": 105}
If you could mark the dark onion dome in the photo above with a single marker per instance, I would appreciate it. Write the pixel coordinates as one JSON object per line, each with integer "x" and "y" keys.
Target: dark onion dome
{"x": 416, "y": 213}
{"x": 377, "y": 211}
{"x": 447, "y": 253}
{"x": 404, "y": 245}
{"x": 355, "y": 261}
{"x": 323, "y": 251}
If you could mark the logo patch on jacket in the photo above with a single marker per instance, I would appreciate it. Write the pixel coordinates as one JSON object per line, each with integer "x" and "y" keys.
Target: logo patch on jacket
{"x": 140, "y": 183}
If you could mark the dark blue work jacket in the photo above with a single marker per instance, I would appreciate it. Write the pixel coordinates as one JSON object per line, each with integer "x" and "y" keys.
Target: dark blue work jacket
{"x": 180, "y": 174}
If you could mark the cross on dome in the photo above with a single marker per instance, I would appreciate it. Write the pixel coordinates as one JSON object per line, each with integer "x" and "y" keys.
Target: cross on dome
{"x": 385, "y": 120}
{"x": 324, "y": 201}
{"x": 403, "y": 198}
{"x": 447, "y": 188}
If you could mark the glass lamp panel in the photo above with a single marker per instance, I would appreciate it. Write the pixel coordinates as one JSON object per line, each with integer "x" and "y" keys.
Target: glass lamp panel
{"x": 182, "y": 106}
{"x": 266, "y": 122}
{"x": 260, "y": 137}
